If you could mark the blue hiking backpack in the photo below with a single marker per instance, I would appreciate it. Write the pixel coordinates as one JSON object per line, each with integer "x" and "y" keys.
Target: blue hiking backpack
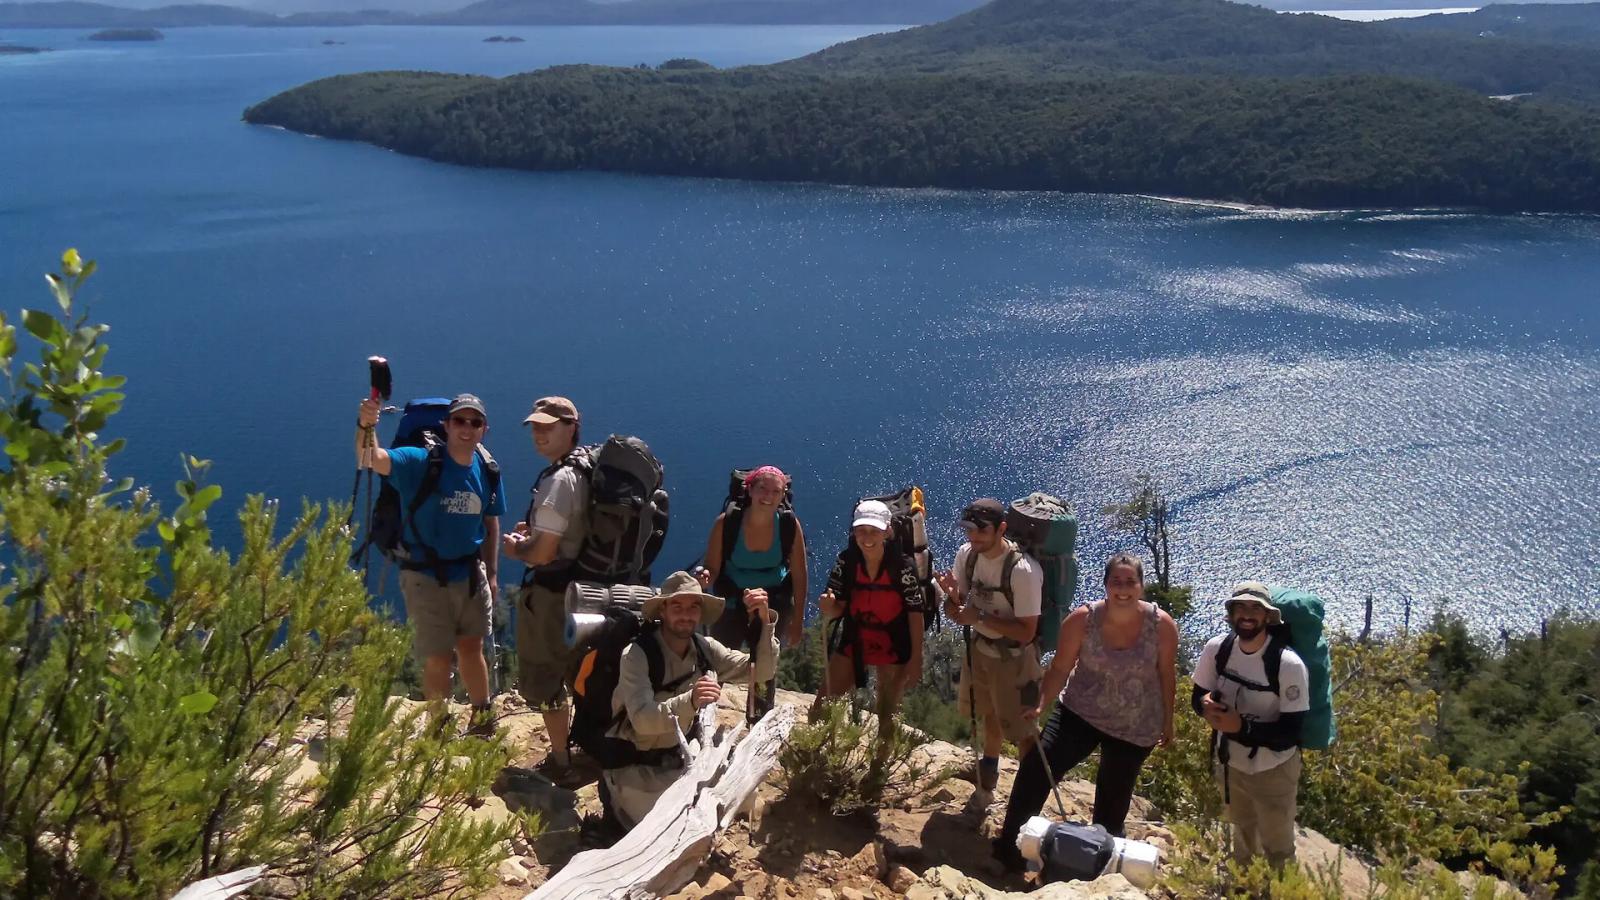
{"x": 390, "y": 529}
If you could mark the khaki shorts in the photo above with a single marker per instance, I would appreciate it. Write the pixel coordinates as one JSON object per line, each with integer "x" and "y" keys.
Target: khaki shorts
{"x": 1003, "y": 686}
{"x": 440, "y": 615}
{"x": 542, "y": 652}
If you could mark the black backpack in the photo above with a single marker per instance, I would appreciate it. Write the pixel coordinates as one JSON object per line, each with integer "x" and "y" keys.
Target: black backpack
{"x": 596, "y": 668}
{"x": 392, "y": 526}
{"x": 627, "y": 515}
{"x": 733, "y": 507}
{"x": 908, "y": 535}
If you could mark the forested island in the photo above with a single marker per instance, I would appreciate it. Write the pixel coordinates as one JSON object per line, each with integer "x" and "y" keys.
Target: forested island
{"x": 1199, "y": 98}
{"x": 126, "y": 34}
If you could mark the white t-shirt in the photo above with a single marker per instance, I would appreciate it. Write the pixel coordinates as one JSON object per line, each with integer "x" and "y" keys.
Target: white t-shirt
{"x": 1026, "y": 583}
{"x": 1253, "y": 705}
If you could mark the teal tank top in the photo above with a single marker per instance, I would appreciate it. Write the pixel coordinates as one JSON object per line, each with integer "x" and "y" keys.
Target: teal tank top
{"x": 766, "y": 569}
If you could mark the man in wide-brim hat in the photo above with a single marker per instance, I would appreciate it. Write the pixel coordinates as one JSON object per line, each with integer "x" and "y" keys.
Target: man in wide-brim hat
{"x": 692, "y": 668}
{"x": 1251, "y": 688}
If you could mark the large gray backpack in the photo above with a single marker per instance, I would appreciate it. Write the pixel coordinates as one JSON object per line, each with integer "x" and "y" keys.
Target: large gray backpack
{"x": 627, "y": 513}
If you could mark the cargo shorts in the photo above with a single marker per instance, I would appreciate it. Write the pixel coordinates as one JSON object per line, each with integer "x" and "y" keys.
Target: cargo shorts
{"x": 1004, "y": 683}
{"x": 543, "y": 656}
{"x": 441, "y": 614}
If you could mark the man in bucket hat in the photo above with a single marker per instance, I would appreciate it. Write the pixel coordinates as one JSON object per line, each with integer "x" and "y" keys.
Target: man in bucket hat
{"x": 1257, "y": 731}
{"x": 692, "y": 669}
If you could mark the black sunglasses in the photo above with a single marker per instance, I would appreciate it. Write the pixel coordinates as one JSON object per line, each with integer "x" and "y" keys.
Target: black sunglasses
{"x": 468, "y": 422}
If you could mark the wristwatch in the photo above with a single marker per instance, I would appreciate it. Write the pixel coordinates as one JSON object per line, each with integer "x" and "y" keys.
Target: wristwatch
{"x": 982, "y": 614}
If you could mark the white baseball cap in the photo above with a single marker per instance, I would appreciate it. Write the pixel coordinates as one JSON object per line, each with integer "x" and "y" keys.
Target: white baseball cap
{"x": 872, "y": 512}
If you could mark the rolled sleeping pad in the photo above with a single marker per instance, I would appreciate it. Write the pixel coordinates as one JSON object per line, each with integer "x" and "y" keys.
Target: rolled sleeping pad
{"x": 586, "y": 602}
{"x": 1136, "y": 861}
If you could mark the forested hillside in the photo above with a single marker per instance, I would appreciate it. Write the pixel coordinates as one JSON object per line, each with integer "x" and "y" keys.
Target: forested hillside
{"x": 1356, "y": 141}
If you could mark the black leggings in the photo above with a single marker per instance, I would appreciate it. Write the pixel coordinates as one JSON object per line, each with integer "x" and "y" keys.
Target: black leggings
{"x": 1068, "y": 740}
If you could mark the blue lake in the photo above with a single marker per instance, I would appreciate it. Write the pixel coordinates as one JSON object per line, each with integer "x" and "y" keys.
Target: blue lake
{"x": 1395, "y": 403}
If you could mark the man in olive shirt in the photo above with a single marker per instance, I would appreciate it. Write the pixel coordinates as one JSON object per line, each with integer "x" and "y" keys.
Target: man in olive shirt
{"x": 693, "y": 668}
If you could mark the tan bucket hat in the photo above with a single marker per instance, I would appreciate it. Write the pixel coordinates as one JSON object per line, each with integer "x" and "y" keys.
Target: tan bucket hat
{"x": 1256, "y": 592}
{"x": 682, "y": 584}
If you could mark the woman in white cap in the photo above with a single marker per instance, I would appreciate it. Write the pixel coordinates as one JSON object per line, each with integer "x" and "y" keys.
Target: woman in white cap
{"x": 874, "y": 604}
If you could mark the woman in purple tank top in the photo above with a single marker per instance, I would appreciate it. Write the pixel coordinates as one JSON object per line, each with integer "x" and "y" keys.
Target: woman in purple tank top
{"x": 1117, "y": 659}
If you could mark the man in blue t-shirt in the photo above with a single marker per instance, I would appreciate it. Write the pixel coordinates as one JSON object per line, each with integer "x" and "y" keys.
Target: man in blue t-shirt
{"x": 451, "y": 578}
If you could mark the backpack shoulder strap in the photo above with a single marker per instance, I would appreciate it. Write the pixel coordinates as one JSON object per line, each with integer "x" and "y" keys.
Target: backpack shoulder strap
{"x": 1272, "y": 660}
{"x": 732, "y": 521}
{"x": 425, "y": 489}
{"x": 788, "y": 531}
{"x": 430, "y": 476}
{"x": 1013, "y": 556}
{"x": 971, "y": 566}
{"x": 1224, "y": 651}
{"x": 702, "y": 653}
{"x": 491, "y": 473}
{"x": 651, "y": 648}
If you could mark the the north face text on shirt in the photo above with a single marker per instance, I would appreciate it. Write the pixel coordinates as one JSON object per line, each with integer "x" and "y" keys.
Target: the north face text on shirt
{"x": 463, "y": 503}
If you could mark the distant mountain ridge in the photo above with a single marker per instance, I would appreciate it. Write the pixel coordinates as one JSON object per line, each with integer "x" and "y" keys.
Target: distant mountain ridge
{"x": 81, "y": 14}
{"x": 1202, "y": 37}
{"x": 1565, "y": 23}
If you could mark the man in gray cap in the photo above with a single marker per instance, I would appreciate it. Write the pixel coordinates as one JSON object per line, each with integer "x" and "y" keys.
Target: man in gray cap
{"x": 692, "y": 669}
{"x": 450, "y": 574}
{"x": 995, "y": 591}
{"x": 1250, "y": 687}
{"x": 547, "y": 541}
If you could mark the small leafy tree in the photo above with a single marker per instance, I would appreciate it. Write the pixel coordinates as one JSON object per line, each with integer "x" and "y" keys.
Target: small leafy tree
{"x": 158, "y": 697}
{"x": 1147, "y": 515}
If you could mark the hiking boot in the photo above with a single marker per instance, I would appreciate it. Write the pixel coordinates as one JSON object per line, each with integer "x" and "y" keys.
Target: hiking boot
{"x": 988, "y": 774}
{"x": 482, "y": 723}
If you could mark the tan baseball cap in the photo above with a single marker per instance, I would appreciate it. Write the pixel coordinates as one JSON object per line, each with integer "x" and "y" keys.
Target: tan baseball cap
{"x": 547, "y": 410}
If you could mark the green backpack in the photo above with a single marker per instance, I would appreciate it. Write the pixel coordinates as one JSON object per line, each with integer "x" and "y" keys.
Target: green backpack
{"x": 1300, "y": 631}
{"x": 1303, "y": 614}
{"x": 1046, "y": 528}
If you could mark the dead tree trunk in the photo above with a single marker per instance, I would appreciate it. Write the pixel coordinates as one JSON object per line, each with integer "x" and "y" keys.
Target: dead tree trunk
{"x": 663, "y": 851}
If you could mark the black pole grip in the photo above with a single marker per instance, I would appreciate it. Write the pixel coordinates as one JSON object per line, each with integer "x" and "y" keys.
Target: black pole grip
{"x": 382, "y": 381}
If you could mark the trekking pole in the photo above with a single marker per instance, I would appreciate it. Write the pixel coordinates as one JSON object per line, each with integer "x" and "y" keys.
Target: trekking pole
{"x": 1055, "y": 787}
{"x": 750, "y": 690}
{"x": 972, "y": 707}
{"x": 382, "y": 384}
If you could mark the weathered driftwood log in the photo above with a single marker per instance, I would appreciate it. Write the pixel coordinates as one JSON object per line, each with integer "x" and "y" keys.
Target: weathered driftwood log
{"x": 222, "y": 886}
{"x": 663, "y": 851}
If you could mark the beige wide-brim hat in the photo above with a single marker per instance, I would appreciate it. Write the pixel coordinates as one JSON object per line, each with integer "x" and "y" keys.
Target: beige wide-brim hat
{"x": 1255, "y": 592}
{"x": 682, "y": 584}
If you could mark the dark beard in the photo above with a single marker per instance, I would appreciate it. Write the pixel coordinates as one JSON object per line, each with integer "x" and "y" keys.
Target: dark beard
{"x": 1255, "y": 629}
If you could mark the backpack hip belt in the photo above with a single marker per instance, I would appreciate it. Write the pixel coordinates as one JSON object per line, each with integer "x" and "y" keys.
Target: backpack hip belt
{"x": 438, "y": 567}
{"x": 1004, "y": 647}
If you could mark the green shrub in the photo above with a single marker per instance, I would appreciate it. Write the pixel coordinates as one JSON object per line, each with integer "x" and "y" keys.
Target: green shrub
{"x": 844, "y": 761}
{"x": 156, "y": 695}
